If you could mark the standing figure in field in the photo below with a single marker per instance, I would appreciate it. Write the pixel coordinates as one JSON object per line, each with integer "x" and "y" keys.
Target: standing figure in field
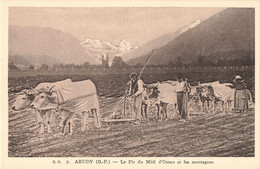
{"x": 136, "y": 88}
{"x": 182, "y": 97}
{"x": 241, "y": 95}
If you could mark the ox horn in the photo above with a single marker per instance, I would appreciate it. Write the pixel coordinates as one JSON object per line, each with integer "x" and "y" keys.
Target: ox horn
{"x": 51, "y": 88}
{"x": 21, "y": 92}
{"x": 33, "y": 90}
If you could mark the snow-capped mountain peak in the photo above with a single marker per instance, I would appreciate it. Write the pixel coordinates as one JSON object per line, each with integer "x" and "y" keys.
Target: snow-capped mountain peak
{"x": 98, "y": 48}
{"x": 125, "y": 45}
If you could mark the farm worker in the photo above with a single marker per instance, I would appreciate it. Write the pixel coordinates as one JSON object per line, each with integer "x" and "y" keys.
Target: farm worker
{"x": 181, "y": 90}
{"x": 136, "y": 88}
{"x": 240, "y": 96}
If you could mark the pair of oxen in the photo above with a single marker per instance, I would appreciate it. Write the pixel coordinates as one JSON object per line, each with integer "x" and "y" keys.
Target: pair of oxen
{"x": 163, "y": 93}
{"x": 66, "y": 97}
{"x": 216, "y": 92}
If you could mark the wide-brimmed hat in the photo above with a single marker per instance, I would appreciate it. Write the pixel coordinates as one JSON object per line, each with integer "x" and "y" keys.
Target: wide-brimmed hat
{"x": 133, "y": 74}
{"x": 238, "y": 77}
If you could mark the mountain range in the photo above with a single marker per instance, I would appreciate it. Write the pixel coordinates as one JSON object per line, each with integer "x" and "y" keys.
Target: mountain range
{"x": 228, "y": 34}
{"x": 98, "y": 48}
{"x": 35, "y": 45}
{"x": 159, "y": 42}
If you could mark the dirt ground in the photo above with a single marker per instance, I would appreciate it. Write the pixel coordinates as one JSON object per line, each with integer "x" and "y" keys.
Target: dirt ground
{"x": 209, "y": 135}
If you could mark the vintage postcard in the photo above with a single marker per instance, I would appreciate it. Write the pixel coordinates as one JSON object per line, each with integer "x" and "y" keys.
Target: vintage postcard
{"x": 170, "y": 84}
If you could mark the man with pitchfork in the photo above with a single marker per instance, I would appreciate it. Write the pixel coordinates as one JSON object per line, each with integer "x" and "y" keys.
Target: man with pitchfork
{"x": 136, "y": 88}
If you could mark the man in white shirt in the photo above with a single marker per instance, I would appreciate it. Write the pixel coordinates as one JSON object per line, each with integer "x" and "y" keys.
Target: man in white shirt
{"x": 181, "y": 90}
{"x": 136, "y": 88}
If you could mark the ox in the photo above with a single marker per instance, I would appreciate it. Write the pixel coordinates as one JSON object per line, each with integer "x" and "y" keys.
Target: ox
{"x": 26, "y": 97}
{"x": 76, "y": 97}
{"x": 23, "y": 99}
{"x": 161, "y": 94}
{"x": 217, "y": 92}
{"x": 150, "y": 97}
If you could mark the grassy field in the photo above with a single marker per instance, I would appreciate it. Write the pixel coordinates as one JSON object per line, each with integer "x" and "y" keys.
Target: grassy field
{"x": 209, "y": 135}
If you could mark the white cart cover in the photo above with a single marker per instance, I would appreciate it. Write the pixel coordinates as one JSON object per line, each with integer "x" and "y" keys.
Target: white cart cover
{"x": 78, "y": 96}
{"x": 167, "y": 93}
{"x": 50, "y": 85}
{"x": 223, "y": 92}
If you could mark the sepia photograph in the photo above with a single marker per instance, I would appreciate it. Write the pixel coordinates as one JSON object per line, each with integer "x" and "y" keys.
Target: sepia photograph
{"x": 131, "y": 82}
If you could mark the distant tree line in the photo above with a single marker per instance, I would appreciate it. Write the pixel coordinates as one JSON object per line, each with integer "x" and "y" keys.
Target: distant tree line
{"x": 118, "y": 64}
{"x": 242, "y": 61}
{"x": 245, "y": 60}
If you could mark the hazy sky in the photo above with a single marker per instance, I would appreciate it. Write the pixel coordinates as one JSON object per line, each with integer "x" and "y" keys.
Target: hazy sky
{"x": 137, "y": 25}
